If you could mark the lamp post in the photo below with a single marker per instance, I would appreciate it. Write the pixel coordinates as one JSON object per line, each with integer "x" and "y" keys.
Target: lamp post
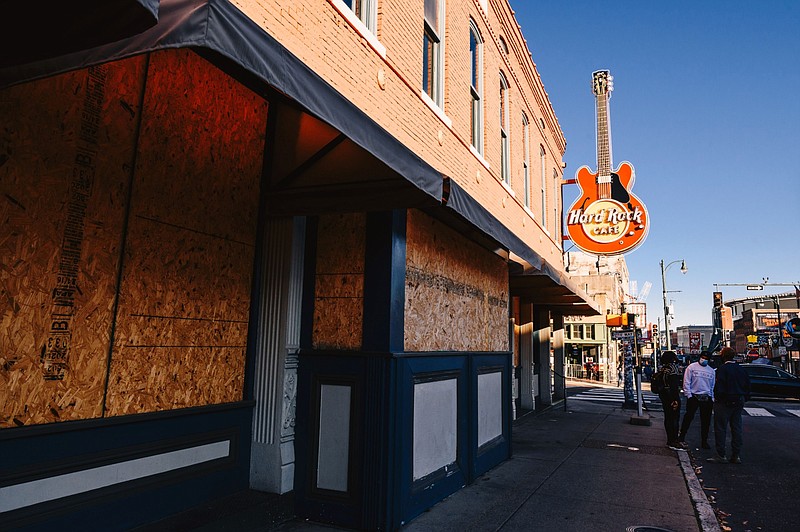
{"x": 664, "y": 293}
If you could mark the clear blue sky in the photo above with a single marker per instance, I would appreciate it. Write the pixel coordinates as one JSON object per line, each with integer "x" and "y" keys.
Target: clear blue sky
{"x": 706, "y": 106}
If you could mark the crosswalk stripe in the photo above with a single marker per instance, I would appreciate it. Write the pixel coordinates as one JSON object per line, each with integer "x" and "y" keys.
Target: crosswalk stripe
{"x": 794, "y": 412}
{"x": 759, "y": 412}
{"x": 607, "y": 399}
{"x": 611, "y": 395}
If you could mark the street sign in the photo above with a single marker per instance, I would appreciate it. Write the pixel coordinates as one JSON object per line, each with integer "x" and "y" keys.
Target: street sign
{"x": 622, "y": 335}
{"x": 755, "y": 287}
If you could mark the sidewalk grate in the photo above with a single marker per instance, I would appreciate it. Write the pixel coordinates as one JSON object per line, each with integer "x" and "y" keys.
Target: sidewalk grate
{"x": 647, "y": 529}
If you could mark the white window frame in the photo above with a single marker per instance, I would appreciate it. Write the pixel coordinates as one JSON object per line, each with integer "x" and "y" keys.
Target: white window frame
{"x": 526, "y": 159}
{"x": 436, "y": 91}
{"x": 556, "y": 186}
{"x": 476, "y": 87}
{"x": 505, "y": 141}
{"x": 364, "y": 20}
{"x": 366, "y": 11}
{"x": 543, "y": 156}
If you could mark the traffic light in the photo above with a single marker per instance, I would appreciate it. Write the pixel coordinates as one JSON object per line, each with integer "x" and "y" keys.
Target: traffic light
{"x": 717, "y": 299}
{"x": 625, "y": 320}
{"x": 654, "y": 331}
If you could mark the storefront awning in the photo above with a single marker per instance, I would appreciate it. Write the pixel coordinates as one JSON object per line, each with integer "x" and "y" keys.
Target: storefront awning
{"x": 331, "y": 127}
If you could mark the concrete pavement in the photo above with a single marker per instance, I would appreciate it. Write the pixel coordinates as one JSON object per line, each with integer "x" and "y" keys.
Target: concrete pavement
{"x": 585, "y": 467}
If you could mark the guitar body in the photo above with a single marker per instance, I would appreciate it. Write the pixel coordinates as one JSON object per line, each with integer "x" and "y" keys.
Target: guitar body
{"x": 607, "y": 223}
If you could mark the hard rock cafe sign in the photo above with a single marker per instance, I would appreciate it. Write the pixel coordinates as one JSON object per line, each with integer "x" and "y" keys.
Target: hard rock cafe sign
{"x": 607, "y": 218}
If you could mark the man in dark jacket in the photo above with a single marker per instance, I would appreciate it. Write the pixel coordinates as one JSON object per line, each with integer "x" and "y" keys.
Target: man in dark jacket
{"x": 670, "y": 396}
{"x": 731, "y": 390}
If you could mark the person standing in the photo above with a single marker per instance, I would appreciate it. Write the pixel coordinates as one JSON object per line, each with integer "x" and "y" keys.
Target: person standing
{"x": 731, "y": 390}
{"x": 698, "y": 387}
{"x": 670, "y": 395}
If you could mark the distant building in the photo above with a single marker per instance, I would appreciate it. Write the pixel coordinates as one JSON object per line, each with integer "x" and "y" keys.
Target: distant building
{"x": 587, "y": 338}
{"x": 692, "y": 339}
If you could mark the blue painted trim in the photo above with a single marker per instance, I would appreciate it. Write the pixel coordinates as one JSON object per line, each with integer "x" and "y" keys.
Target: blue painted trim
{"x": 309, "y": 283}
{"x": 388, "y": 497}
{"x": 416, "y": 497}
{"x": 498, "y": 450}
{"x": 80, "y": 446}
{"x": 384, "y": 281}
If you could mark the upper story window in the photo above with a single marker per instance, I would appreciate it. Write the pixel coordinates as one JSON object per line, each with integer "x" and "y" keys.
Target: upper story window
{"x": 505, "y": 172}
{"x": 476, "y": 85}
{"x": 526, "y": 159}
{"x": 543, "y": 164}
{"x": 432, "y": 51}
{"x": 556, "y": 187}
{"x": 366, "y": 12}
{"x": 503, "y": 45}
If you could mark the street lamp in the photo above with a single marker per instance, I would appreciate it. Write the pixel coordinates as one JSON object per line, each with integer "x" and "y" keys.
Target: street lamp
{"x": 664, "y": 269}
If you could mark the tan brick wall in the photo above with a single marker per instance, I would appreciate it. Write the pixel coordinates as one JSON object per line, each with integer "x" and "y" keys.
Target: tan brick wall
{"x": 325, "y": 40}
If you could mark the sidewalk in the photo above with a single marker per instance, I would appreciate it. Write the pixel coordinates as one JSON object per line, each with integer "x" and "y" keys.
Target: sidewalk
{"x": 586, "y": 468}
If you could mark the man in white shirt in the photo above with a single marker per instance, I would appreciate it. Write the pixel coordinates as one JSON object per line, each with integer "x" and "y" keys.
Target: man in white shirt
{"x": 698, "y": 387}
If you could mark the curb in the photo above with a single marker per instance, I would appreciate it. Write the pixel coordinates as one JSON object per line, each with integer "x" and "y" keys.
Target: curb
{"x": 705, "y": 513}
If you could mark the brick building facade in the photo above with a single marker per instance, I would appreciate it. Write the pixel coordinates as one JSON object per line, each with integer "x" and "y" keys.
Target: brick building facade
{"x": 312, "y": 247}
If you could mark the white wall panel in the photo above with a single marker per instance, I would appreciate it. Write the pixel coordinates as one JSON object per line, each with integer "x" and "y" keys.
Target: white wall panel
{"x": 490, "y": 406}
{"x": 435, "y": 425}
{"x": 334, "y": 437}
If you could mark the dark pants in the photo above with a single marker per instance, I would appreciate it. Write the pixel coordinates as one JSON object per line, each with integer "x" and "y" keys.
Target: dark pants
{"x": 725, "y": 415}
{"x": 671, "y": 418}
{"x": 706, "y": 407}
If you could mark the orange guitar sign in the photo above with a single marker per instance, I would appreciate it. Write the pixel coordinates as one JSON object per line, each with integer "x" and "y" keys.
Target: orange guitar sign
{"x": 606, "y": 219}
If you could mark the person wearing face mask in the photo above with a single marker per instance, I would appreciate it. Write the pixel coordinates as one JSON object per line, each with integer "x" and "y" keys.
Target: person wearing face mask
{"x": 698, "y": 387}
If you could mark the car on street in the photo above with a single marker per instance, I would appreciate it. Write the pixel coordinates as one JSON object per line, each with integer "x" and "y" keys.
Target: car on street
{"x": 770, "y": 381}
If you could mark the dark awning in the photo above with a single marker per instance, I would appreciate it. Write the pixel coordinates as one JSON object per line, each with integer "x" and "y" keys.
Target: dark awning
{"x": 42, "y": 29}
{"x": 533, "y": 279}
{"x": 217, "y": 27}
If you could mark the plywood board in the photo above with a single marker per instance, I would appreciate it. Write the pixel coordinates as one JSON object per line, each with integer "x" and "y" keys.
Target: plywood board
{"x": 339, "y": 286}
{"x": 456, "y": 291}
{"x": 185, "y": 289}
{"x": 67, "y": 146}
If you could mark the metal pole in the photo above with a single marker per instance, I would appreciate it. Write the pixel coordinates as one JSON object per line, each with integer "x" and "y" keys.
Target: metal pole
{"x": 666, "y": 307}
{"x": 780, "y": 334}
{"x": 638, "y": 372}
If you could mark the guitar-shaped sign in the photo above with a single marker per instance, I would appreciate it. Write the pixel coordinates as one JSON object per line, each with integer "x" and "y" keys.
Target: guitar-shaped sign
{"x": 606, "y": 219}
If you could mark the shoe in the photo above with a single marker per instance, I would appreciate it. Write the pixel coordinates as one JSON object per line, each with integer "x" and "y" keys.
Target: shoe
{"x": 736, "y": 460}
{"x": 717, "y": 459}
{"x": 705, "y": 445}
{"x": 677, "y": 446}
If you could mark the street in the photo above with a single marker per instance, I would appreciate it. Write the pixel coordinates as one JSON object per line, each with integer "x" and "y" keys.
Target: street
{"x": 760, "y": 493}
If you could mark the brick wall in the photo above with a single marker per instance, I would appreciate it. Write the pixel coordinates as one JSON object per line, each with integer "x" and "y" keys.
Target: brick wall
{"x": 318, "y": 33}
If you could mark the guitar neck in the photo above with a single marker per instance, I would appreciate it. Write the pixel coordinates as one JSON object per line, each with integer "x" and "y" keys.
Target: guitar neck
{"x": 603, "y": 147}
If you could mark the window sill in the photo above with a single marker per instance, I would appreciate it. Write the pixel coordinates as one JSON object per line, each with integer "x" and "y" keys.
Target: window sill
{"x": 436, "y": 109}
{"x": 509, "y": 189}
{"x": 359, "y": 26}
{"x": 478, "y": 156}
